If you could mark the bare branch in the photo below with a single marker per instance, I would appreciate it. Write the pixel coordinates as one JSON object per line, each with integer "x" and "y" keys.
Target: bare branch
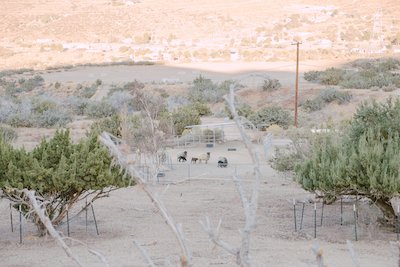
{"x": 144, "y": 254}
{"x": 353, "y": 254}
{"x": 47, "y": 223}
{"x": 120, "y": 159}
{"x": 214, "y": 236}
{"x": 319, "y": 255}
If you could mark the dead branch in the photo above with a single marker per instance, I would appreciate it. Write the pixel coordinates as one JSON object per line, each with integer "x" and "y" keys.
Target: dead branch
{"x": 120, "y": 159}
{"x": 353, "y": 254}
{"x": 144, "y": 254}
{"x": 250, "y": 204}
{"x": 319, "y": 254}
{"x": 47, "y": 223}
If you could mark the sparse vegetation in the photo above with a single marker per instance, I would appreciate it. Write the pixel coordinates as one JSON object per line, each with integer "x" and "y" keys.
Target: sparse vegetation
{"x": 205, "y": 90}
{"x": 99, "y": 109}
{"x": 326, "y": 96}
{"x": 183, "y": 117}
{"x": 271, "y": 115}
{"x": 271, "y": 85}
{"x": 7, "y": 133}
{"x": 368, "y": 74}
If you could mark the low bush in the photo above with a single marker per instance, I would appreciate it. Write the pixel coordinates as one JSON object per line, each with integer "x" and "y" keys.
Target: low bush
{"x": 325, "y": 96}
{"x": 120, "y": 100}
{"x": 271, "y": 85}
{"x": 242, "y": 109}
{"x": 204, "y": 90}
{"x": 368, "y": 74}
{"x": 285, "y": 160}
{"x": 201, "y": 108}
{"x": 311, "y": 105}
{"x": 130, "y": 87}
{"x": 87, "y": 91}
{"x": 271, "y": 115}
{"x": 183, "y": 117}
{"x": 111, "y": 125}
{"x": 7, "y": 133}
{"x": 176, "y": 101}
{"x": 76, "y": 105}
{"x": 99, "y": 109}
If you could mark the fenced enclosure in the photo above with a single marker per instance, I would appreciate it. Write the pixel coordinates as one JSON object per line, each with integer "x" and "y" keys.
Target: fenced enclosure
{"x": 350, "y": 217}
{"x": 200, "y": 171}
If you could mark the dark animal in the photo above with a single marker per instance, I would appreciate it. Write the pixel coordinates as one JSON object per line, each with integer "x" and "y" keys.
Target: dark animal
{"x": 182, "y": 156}
{"x": 222, "y": 162}
{"x": 194, "y": 160}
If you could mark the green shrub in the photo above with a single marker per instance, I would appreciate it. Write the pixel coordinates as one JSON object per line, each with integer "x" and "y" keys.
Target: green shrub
{"x": 285, "y": 160}
{"x": 130, "y": 87}
{"x": 325, "y": 96}
{"x": 271, "y": 85}
{"x": 204, "y": 90}
{"x": 362, "y": 160}
{"x": 312, "y": 76}
{"x": 183, "y": 117}
{"x": 99, "y": 109}
{"x": 368, "y": 74}
{"x": 242, "y": 109}
{"x": 7, "y": 133}
{"x": 329, "y": 95}
{"x": 311, "y": 105}
{"x": 60, "y": 172}
{"x": 271, "y": 115}
{"x": 86, "y": 92}
{"x": 111, "y": 125}
{"x": 201, "y": 108}
{"x": 53, "y": 117}
{"x": 76, "y": 104}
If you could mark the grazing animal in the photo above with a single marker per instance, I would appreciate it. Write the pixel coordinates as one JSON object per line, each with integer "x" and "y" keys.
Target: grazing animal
{"x": 194, "y": 160}
{"x": 204, "y": 157}
{"x": 222, "y": 162}
{"x": 182, "y": 156}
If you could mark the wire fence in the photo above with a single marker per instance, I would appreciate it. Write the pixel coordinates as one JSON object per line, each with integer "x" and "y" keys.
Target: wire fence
{"x": 349, "y": 216}
{"x": 200, "y": 171}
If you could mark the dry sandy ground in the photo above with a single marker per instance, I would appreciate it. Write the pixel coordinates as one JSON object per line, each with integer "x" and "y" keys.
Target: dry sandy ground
{"x": 128, "y": 215}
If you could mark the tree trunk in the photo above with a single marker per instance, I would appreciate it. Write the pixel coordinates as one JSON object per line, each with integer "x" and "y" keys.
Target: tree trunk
{"x": 386, "y": 207}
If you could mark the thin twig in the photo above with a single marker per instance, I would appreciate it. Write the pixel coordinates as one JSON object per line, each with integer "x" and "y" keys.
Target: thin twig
{"x": 120, "y": 159}
{"x": 144, "y": 254}
{"x": 47, "y": 223}
{"x": 249, "y": 204}
{"x": 319, "y": 255}
{"x": 353, "y": 254}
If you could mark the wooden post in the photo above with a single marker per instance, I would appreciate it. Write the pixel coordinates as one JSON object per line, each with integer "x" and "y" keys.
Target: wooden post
{"x": 297, "y": 84}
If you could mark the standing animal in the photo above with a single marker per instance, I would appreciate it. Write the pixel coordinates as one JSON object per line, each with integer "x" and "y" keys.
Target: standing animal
{"x": 222, "y": 162}
{"x": 204, "y": 157}
{"x": 182, "y": 156}
{"x": 194, "y": 160}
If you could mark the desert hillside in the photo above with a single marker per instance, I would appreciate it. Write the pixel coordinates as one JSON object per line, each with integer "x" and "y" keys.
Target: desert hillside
{"x": 46, "y": 33}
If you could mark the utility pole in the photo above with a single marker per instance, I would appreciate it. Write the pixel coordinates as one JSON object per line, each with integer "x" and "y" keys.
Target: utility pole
{"x": 297, "y": 84}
